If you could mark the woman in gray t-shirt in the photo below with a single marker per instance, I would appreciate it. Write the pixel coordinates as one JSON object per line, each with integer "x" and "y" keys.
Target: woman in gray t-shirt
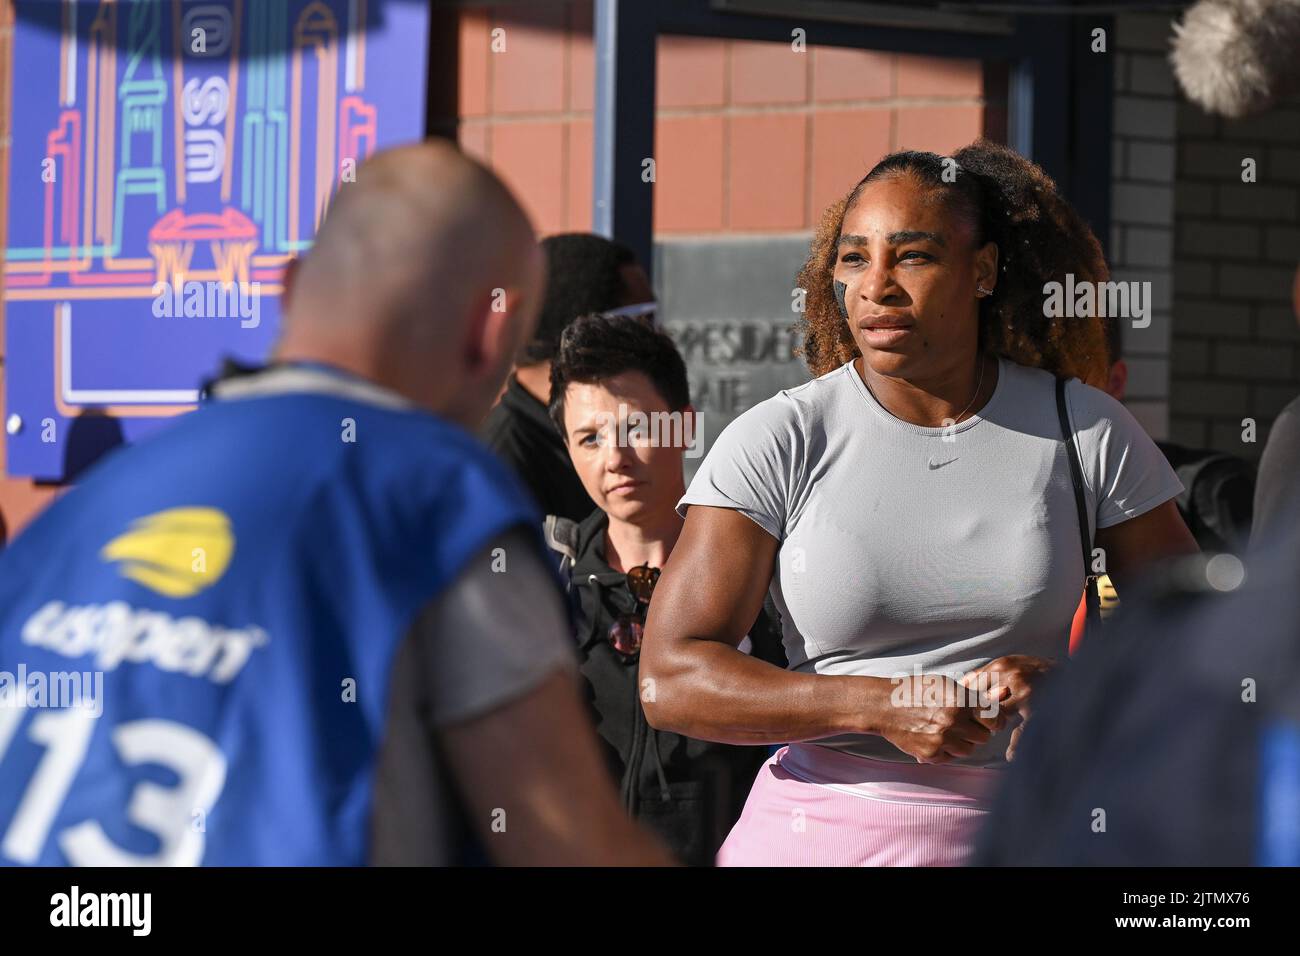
{"x": 911, "y": 512}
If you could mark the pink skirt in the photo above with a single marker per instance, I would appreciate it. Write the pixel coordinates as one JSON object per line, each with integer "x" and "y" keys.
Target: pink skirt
{"x": 814, "y": 806}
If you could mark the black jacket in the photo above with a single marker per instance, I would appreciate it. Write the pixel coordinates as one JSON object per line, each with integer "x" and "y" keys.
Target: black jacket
{"x": 522, "y": 434}
{"x": 688, "y": 791}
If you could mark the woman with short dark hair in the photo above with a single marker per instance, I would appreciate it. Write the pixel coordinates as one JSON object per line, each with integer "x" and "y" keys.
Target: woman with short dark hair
{"x": 913, "y": 512}
{"x": 620, "y": 399}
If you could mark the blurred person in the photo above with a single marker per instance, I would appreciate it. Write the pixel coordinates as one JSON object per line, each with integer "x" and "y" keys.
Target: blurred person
{"x": 1175, "y": 741}
{"x": 915, "y": 511}
{"x": 585, "y": 273}
{"x": 1277, "y": 490}
{"x": 620, "y": 398}
{"x": 293, "y": 595}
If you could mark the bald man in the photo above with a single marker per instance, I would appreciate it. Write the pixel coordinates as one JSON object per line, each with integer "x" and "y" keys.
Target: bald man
{"x": 311, "y": 621}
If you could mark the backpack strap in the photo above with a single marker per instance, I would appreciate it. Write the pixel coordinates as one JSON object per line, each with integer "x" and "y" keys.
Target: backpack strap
{"x": 1091, "y": 597}
{"x": 562, "y": 538}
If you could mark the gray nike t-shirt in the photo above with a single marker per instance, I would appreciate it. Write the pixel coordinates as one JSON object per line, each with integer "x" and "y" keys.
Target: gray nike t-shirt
{"x": 908, "y": 549}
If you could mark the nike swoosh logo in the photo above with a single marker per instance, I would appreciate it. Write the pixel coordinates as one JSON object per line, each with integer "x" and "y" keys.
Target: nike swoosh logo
{"x": 934, "y": 467}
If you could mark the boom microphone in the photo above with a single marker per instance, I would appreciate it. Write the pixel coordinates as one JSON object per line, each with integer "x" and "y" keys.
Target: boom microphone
{"x": 1236, "y": 57}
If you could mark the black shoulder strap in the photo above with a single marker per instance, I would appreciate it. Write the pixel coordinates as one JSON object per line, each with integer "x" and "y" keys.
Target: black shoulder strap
{"x": 1081, "y": 507}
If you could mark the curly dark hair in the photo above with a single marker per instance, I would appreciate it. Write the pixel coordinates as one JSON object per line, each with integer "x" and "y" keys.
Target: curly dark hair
{"x": 596, "y": 348}
{"x": 1040, "y": 237}
{"x": 582, "y": 276}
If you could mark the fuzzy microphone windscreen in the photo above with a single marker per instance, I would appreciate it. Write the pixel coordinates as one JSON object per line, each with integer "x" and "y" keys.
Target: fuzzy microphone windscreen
{"x": 1235, "y": 57}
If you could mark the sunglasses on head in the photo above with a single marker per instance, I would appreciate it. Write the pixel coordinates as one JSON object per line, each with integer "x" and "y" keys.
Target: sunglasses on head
{"x": 644, "y": 311}
{"x": 625, "y": 633}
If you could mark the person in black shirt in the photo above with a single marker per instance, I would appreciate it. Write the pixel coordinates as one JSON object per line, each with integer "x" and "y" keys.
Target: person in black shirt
{"x": 620, "y": 395}
{"x": 584, "y": 273}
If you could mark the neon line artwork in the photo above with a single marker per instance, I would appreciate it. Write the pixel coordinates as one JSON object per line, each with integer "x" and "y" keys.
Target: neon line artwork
{"x": 161, "y": 142}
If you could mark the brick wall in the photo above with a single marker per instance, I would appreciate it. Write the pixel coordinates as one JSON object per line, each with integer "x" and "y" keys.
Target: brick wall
{"x": 1220, "y": 253}
{"x": 744, "y": 130}
{"x": 752, "y": 141}
{"x": 1236, "y": 348}
{"x": 1142, "y": 205}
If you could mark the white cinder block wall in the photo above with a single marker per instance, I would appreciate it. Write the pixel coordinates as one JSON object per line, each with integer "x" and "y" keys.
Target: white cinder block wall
{"x": 1236, "y": 350}
{"x": 1144, "y": 149}
{"x": 1220, "y": 253}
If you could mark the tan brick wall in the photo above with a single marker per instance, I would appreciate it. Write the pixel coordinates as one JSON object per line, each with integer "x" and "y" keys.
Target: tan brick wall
{"x": 749, "y": 137}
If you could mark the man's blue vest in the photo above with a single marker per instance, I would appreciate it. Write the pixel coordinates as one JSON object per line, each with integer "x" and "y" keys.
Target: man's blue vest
{"x": 230, "y": 595}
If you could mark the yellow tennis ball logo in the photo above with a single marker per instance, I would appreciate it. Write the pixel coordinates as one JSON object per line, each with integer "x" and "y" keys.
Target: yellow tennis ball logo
{"x": 177, "y": 552}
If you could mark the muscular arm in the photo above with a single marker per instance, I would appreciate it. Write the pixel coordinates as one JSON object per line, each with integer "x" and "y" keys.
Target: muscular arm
{"x": 536, "y": 758}
{"x": 1133, "y": 545}
{"x": 484, "y": 692}
{"x": 710, "y": 593}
